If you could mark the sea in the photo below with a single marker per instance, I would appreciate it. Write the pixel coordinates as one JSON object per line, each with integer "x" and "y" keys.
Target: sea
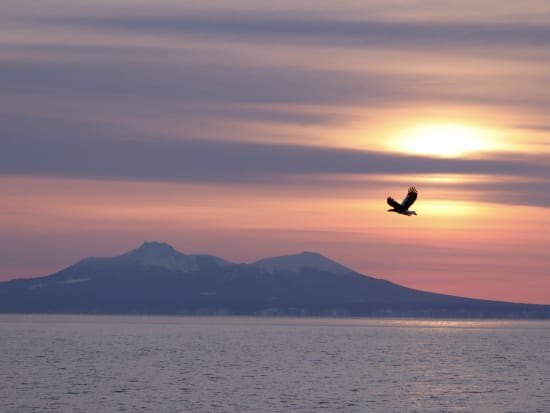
{"x": 92, "y": 363}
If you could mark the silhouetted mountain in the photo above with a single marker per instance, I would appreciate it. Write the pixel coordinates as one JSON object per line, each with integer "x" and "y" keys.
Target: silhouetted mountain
{"x": 299, "y": 262}
{"x": 156, "y": 279}
{"x": 161, "y": 255}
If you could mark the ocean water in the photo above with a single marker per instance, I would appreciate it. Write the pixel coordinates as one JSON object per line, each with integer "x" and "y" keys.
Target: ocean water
{"x": 207, "y": 364}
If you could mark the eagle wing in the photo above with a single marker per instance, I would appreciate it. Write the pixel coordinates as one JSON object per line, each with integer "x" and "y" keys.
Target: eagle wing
{"x": 410, "y": 198}
{"x": 393, "y": 203}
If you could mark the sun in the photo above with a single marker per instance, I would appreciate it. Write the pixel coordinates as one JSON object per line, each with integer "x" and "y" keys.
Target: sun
{"x": 443, "y": 140}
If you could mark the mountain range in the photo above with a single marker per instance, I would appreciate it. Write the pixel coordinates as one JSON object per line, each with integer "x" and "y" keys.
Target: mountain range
{"x": 157, "y": 279}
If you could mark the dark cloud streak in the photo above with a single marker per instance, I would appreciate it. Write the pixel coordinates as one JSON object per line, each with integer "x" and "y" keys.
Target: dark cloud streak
{"x": 523, "y": 192}
{"x": 221, "y": 161}
{"x": 401, "y": 34}
{"x": 198, "y": 82}
{"x": 138, "y": 79}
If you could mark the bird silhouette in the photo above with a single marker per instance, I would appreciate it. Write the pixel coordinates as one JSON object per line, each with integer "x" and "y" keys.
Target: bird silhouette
{"x": 403, "y": 207}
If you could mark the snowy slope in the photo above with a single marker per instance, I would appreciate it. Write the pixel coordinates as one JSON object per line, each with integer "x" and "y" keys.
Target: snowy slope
{"x": 299, "y": 262}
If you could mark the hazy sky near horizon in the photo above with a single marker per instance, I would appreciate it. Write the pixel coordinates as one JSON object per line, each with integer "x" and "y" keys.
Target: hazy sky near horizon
{"x": 248, "y": 129}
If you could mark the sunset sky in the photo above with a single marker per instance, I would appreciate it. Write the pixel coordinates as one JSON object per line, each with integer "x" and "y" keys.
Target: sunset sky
{"x": 247, "y": 129}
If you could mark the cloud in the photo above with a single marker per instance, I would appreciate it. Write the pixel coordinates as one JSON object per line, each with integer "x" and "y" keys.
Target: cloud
{"x": 187, "y": 81}
{"x": 134, "y": 78}
{"x": 533, "y": 127}
{"x": 196, "y": 160}
{"x": 42, "y": 147}
{"x": 296, "y": 27}
{"x": 218, "y": 84}
{"x": 523, "y": 192}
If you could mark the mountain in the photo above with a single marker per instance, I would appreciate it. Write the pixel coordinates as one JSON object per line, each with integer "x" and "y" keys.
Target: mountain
{"x": 162, "y": 255}
{"x": 157, "y": 279}
{"x": 300, "y": 262}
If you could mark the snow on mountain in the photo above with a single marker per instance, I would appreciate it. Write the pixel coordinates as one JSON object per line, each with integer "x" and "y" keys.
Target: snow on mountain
{"x": 157, "y": 254}
{"x": 303, "y": 284}
{"x": 163, "y": 255}
{"x": 299, "y": 262}
{"x": 160, "y": 254}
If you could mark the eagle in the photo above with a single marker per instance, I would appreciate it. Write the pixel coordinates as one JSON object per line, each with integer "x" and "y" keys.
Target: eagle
{"x": 403, "y": 207}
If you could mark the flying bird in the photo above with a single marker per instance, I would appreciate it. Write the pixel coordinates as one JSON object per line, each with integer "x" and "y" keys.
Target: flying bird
{"x": 403, "y": 207}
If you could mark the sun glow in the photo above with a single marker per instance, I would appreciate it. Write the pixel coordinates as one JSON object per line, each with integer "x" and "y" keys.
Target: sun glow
{"x": 443, "y": 140}
{"x": 451, "y": 209}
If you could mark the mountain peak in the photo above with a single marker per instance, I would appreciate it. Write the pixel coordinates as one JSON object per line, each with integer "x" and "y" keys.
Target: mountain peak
{"x": 160, "y": 254}
{"x": 155, "y": 247}
{"x": 299, "y": 262}
{"x": 310, "y": 254}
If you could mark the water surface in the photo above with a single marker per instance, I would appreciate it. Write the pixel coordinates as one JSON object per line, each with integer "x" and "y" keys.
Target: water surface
{"x": 231, "y": 364}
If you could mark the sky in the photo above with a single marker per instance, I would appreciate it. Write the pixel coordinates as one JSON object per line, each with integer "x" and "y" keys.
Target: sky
{"x": 248, "y": 129}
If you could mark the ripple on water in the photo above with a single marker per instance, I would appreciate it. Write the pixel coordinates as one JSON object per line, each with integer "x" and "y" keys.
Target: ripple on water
{"x": 181, "y": 364}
